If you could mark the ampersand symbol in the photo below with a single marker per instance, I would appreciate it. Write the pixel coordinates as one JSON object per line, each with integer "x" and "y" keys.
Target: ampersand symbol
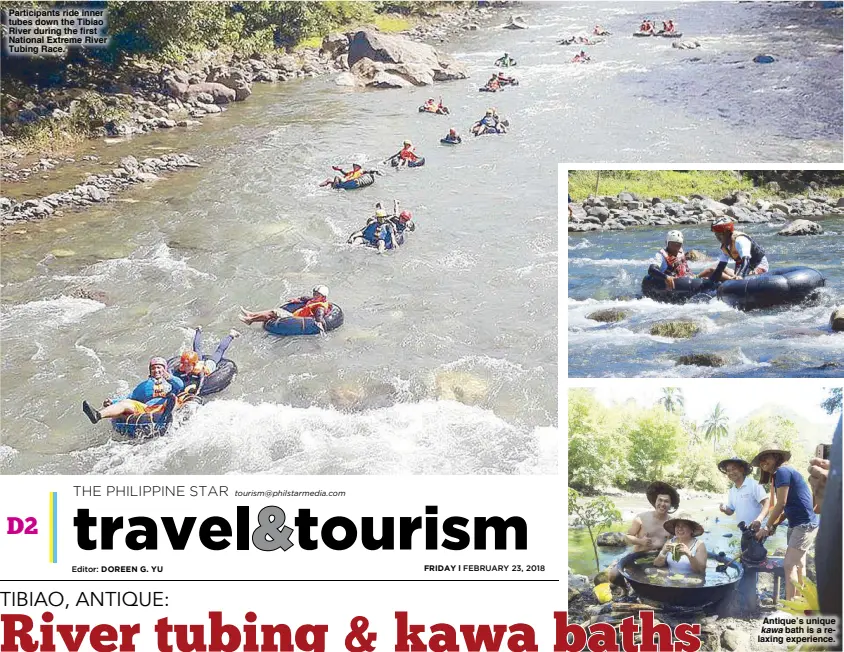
{"x": 272, "y": 534}
{"x": 358, "y": 634}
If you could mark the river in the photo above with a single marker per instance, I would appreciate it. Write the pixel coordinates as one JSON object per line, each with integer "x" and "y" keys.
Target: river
{"x": 447, "y": 362}
{"x": 606, "y": 270}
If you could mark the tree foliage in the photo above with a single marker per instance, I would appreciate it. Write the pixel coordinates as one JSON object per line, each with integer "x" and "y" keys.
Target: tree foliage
{"x": 594, "y": 514}
{"x": 655, "y": 439}
{"x": 833, "y": 402}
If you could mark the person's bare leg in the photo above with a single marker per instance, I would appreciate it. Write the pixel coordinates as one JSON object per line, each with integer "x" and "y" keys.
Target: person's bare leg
{"x": 790, "y": 565}
{"x": 248, "y": 317}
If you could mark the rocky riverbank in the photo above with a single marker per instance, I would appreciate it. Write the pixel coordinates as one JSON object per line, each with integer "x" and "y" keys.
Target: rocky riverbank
{"x": 626, "y": 210}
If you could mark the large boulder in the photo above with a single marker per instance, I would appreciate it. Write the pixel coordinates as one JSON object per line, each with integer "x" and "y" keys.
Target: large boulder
{"x": 836, "y": 319}
{"x": 335, "y": 44}
{"x": 516, "y": 22}
{"x": 802, "y": 227}
{"x": 611, "y": 539}
{"x": 233, "y": 78}
{"x": 416, "y": 63}
{"x": 191, "y": 92}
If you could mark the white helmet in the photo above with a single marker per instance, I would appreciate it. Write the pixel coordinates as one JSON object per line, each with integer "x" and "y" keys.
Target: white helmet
{"x": 321, "y": 290}
{"x": 674, "y": 236}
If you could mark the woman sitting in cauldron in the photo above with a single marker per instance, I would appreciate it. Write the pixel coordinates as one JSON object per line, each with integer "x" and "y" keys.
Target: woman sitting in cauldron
{"x": 683, "y": 552}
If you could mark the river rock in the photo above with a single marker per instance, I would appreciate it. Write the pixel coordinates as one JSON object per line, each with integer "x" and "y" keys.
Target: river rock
{"x": 702, "y": 360}
{"x": 781, "y": 206}
{"x": 233, "y": 78}
{"x": 716, "y": 207}
{"x": 802, "y": 227}
{"x": 416, "y": 63}
{"x": 694, "y": 255}
{"x": 609, "y": 315}
{"x": 266, "y": 75}
{"x": 516, "y": 22}
{"x": 836, "y": 319}
{"x": 611, "y": 539}
{"x": 335, "y": 44}
{"x": 219, "y": 93}
{"x": 598, "y": 211}
{"x": 675, "y": 329}
{"x": 732, "y": 639}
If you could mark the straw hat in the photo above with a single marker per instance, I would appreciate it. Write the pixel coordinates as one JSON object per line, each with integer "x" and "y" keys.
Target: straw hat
{"x": 771, "y": 448}
{"x": 722, "y": 465}
{"x": 656, "y": 488}
{"x": 671, "y": 523}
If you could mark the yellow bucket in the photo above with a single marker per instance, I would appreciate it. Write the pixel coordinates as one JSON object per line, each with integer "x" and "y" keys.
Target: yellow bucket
{"x": 603, "y": 592}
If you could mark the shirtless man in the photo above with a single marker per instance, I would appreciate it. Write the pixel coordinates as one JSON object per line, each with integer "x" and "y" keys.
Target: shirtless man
{"x": 647, "y": 531}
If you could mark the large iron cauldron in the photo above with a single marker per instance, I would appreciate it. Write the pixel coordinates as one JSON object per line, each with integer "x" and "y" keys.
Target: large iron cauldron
{"x": 680, "y": 595}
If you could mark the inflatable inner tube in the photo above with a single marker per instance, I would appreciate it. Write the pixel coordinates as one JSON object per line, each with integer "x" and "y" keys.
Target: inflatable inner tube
{"x": 671, "y": 34}
{"x": 763, "y": 58}
{"x": 643, "y": 34}
{"x": 146, "y": 425}
{"x": 446, "y": 141}
{"x": 303, "y": 325}
{"x": 487, "y": 89}
{"x": 779, "y": 287}
{"x": 361, "y": 182}
{"x": 418, "y": 163}
{"x": 218, "y": 381}
{"x": 684, "y": 289}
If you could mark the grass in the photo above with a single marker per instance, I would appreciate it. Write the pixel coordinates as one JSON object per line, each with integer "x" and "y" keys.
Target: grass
{"x": 391, "y": 23}
{"x": 50, "y": 137}
{"x": 666, "y": 184}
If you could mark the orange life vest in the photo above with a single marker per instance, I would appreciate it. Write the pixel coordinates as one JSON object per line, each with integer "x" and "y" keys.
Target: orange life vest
{"x": 310, "y": 308}
{"x": 351, "y": 176}
{"x": 408, "y": 154}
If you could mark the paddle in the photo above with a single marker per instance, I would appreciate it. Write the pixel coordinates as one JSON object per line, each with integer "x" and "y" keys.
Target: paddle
{"x": 387, "y": 160}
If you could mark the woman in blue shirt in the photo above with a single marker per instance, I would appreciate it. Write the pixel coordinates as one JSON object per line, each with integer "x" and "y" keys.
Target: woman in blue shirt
{"x": 794, "y": 499}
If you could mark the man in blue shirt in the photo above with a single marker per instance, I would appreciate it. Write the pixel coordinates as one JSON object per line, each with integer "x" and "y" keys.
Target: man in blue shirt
{"x": 149, "y": 397}
{"x": 792, "y": 498}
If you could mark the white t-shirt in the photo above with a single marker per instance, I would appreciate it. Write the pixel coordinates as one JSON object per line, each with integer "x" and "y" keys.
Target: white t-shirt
{"x": 743, "y": 246}
{"x": 746, "y": 500}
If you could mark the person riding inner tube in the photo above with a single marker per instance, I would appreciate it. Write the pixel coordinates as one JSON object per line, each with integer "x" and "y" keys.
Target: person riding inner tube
{"x": 670, "y": 262}
{"x": 493, "y": 83}
{"x": 647, "y": 26}
{"x": 738, "y": 247}
{"x": 380, "y": 232}
{"x": 453, "y": 137}
{"x": 581, "y": 58}
{"x": 405, "y": 155}
{"x": 488, "y": 124}
{"x": 316, "y": 307}
{"x": 149, "y": 397}
{"x": 600, "y": 31}
{"x": 668, "y": 26}
{"x": 503, "y": 80}
{"x": 355, "y": 173}
{"x": 193, "y": 369}
{"x": 505, "y": 61}
{"x": 432, "y": 106}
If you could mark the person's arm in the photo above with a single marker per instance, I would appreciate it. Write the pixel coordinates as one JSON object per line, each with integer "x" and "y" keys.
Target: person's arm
{"x": 757, "y": 523}
{"x": 319, "y": 319}
{"x": 743, "y": 247}
{"x": 632, "y": 535}
{"x": 662, "y": 557}
{"x": 177, "y": 383}
{"x": 698, "y": 562}
{"x": 776, "y": 510}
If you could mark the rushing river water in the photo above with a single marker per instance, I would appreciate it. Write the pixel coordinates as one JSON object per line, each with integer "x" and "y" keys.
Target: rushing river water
{"x": 606, "y": 270}
{"x": 447, "y": 362}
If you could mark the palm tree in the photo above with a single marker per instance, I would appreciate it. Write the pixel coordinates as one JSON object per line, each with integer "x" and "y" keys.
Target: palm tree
{"x": 715, "y": 426}
{"x": 672, "y": 400}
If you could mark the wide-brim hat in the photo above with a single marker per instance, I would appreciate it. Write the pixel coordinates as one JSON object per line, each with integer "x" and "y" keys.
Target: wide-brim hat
{"x": 656, "y": 488}
{"x": 670, "y": 524}
{"x": 771, "y": 448}
{"x": 722, "y": 465}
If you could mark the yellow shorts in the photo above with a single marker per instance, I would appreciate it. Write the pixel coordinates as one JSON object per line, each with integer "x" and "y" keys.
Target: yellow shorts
{"x": 143, "y": 408}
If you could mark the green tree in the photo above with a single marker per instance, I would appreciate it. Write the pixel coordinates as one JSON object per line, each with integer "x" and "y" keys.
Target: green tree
{"x": 716, "y": 426}
{"x": 597, "y": 451}
{"x": 655, "y": 439}
{"x": 672, "y": 400}
{"x": 594, "y": 514}
{"x": 833, "y": 402}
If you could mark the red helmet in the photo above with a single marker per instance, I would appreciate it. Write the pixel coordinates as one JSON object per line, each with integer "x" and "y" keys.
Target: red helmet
{"x": 188, "y": 360}
{"x": 723, "y": 225}
{"x": 405, "y": 216}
